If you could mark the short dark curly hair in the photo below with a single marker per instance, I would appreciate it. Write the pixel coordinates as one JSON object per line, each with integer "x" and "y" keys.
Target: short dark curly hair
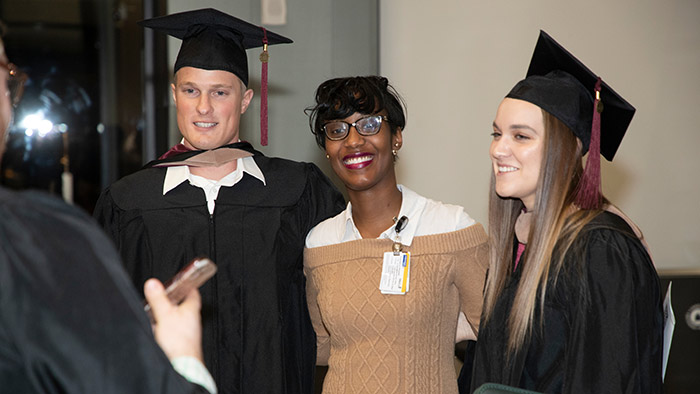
{"x": 339, "y": 98}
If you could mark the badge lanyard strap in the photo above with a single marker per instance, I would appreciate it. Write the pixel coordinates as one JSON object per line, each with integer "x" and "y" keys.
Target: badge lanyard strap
{"x": 400, "y": 225}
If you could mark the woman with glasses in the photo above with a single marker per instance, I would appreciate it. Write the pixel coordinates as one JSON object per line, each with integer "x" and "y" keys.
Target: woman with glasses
{"x": 388, "y": 277}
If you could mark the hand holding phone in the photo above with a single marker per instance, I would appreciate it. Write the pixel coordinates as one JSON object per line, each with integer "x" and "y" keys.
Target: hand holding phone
{"x": 192, "y": 276}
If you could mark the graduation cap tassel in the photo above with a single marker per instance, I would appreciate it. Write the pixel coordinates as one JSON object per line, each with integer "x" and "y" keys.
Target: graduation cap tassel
{"x": 264, "y": 57}
{"x": 588, "y": 195}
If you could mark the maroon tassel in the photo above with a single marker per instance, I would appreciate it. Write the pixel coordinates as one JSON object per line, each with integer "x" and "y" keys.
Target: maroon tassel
{"x": 263, "y": 91}
{"x": 175, "y": 150}
{"x": 588, "y": 195}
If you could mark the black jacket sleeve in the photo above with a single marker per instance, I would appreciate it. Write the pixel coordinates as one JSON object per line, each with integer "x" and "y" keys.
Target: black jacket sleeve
{"x": 70, "y": 320}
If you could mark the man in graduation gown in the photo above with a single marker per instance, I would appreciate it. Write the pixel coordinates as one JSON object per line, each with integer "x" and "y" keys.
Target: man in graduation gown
{"x": 70, "y": 320}
{"x": 216, "y": 196}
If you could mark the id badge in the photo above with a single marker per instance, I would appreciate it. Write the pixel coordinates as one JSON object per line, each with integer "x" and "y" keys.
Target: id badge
{"x": 396, "y": 273}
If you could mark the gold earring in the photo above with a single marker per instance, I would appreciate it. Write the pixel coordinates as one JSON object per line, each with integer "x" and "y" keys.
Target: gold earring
{"x": 393, "y": 151}
{"x": 396, "y": 144}
{"x": 327, "y": 156}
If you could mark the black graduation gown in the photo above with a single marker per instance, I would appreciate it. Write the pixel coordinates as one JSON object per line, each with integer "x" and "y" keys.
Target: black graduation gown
{"x": 70, "y": 321}
{"x": 603, "y": 323}
{"x": 257, "y": 335}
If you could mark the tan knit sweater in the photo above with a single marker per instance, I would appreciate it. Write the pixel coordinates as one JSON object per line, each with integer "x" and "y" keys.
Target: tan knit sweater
{"x": 377, "y": 343}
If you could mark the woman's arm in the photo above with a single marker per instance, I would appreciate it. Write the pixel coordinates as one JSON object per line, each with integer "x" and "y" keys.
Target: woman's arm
{"x": 470, "y": 275}
{"x": 323, "y": 345}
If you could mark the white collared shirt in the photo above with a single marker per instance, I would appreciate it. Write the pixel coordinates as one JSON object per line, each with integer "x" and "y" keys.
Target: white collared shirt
{"x": 175, "y": 175}
{"x": 194, "y": 371}
{"x": 425, "y": 217}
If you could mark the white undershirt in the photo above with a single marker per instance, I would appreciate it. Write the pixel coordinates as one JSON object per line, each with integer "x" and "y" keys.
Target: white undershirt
{"x": 177, "y": 174}
{"x": 425, "y": 217}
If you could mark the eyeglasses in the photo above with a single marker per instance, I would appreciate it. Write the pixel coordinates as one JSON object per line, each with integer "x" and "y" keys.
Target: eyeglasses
{"x": 15, "y": 82}
{"x": 369, "y": 125}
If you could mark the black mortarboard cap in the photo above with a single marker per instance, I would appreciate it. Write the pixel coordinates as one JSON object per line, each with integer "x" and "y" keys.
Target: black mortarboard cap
{"x": 213, "y": 40}
{"x": 563, "y": 86}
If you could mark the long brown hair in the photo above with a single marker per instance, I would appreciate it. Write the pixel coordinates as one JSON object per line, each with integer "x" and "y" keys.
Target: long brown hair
{"x": 554, "y": 227}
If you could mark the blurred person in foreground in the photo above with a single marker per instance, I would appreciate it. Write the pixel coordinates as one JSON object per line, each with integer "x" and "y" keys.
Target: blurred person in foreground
{"x": 70, "y": 321}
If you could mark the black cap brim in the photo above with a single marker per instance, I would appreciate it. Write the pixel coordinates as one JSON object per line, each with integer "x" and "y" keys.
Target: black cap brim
{"x": 213, "y": 40}
{"x": 547, "y": 87}
{"x": 178, "y": 24}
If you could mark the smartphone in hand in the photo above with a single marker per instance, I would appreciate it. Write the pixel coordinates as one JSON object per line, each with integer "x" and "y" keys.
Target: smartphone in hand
{"x": 192, "y": 276}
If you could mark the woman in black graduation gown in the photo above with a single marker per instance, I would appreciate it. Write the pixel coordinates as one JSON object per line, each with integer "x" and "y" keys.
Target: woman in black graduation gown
{"x": 572, "y": 300}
